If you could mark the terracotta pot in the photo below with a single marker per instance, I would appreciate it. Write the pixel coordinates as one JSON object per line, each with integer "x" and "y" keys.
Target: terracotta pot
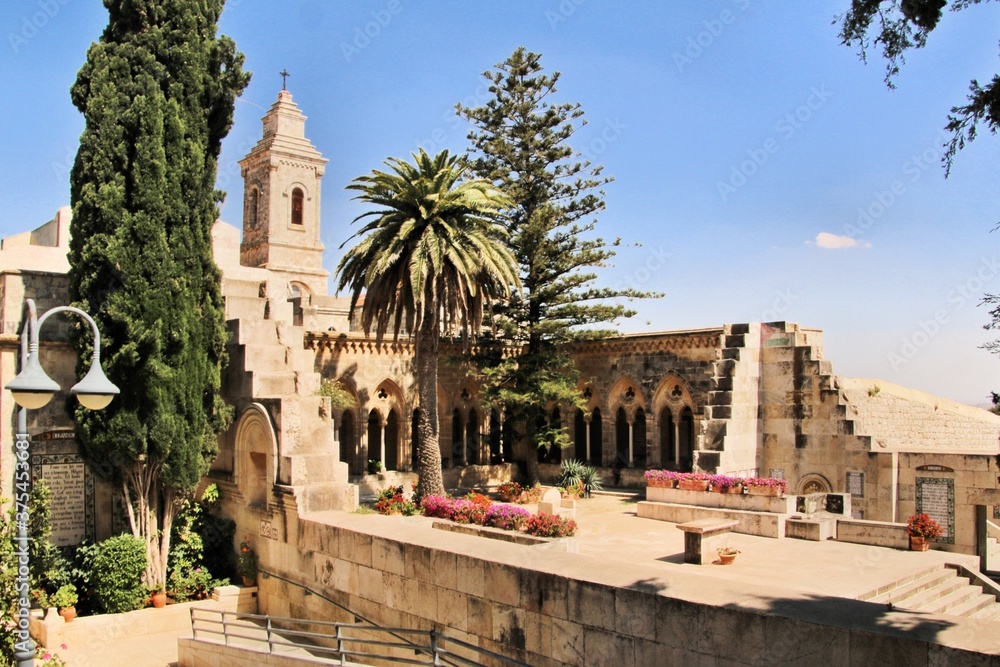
{"x": 737, "y": 489}
{"x": 68, "y": 613}
{"x": 919, "y": 543}
{"x": 727, "y": 559}
{"x": 249, "y": 581}
{"x": 661, "y": 483}
{"x": 693, "y": 485}
{"x": 771, "y": 491}
{"x": 159, "y": 600}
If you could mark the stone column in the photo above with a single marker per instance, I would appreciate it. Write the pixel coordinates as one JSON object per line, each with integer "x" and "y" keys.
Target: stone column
{"x": 631, "y": 433}
{"x": 586, "y": 420}
{"x": 677, "y": 442}
{"x": 384, "y": 427}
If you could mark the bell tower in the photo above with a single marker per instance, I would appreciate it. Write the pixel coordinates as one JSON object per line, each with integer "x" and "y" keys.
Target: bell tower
{"x": 282, "y": 179}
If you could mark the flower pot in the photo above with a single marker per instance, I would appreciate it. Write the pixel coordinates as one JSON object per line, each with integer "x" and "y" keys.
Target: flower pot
{"x": 693, "y": 484}
{"x": 249, "y": 581}
{"x": 772, "y": 491}
{"x": 661, "y": 483}
{"x": 68, "y": 613}
{"x": 735, "y": 489}
{"x": 919, "y": 543}
{"x": 159, "y": 600}
{"x": 726, "y": 559}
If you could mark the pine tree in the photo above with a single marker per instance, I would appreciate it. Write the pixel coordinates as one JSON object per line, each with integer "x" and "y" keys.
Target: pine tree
{"x": 157, "y": 93}
{"x": 520, "y": 142}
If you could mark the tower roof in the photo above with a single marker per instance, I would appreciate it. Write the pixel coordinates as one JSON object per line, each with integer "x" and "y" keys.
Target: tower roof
{"x": 285, "y": 133}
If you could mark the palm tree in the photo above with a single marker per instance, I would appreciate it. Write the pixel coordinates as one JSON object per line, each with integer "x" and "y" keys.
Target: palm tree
{"x": 430, "y": 260}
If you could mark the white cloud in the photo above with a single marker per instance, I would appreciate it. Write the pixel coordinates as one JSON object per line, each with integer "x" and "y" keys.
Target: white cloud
{"x": 834, "y": 242}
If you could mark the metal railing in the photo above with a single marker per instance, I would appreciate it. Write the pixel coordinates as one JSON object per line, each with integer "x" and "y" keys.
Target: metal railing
{"x": 992, "y": 529}
{"x": 339, "y": 643}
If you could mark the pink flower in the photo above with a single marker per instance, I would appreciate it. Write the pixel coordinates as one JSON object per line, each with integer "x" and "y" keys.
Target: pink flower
{"x": 63, "y": 647}
{"x": 47, "y": 656}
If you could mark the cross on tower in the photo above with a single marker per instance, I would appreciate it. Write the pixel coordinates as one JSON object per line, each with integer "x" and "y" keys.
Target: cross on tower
{"x": 284, "y": 78}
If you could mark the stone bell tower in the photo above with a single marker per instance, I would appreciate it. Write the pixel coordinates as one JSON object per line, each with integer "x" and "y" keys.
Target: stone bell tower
{"x": 282, "y": 179}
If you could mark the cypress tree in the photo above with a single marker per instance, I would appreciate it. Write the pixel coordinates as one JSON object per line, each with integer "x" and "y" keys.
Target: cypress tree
{"x": 157, "y": 94}
{"x": 520, "y": 142}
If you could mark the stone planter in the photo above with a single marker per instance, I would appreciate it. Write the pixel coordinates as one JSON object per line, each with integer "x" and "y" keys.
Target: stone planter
{"x": 693, "y": 485}
{"x": 919, "y": 543}
{"x": 770, "y": 491}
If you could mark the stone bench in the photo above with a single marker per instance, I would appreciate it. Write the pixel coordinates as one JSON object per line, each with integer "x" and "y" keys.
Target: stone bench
{"x": 703, "y": 537}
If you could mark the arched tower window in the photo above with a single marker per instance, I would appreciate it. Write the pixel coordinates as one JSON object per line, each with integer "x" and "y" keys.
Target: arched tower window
{"x": 298, "y": 202}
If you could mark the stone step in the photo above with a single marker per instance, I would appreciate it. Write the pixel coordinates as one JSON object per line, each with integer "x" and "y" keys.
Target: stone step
{"x": 972, "y": 605}
{"x": 958, "y": 595}
{"x": 737, "y": 340}
{"x": 926, "y": 600}
{"x": 900, "y": 594}
{"x": 282, "y": 383}
{"x": 242, "y": 288}
{"x": 264, "y": 332}
{"x": 988, "y": 613}
{"x": 244, "y": 307}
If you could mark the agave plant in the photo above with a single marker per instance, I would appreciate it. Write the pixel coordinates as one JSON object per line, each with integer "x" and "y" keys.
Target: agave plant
{"x": 592, "y": 480}
{"x": 570, "y": 473}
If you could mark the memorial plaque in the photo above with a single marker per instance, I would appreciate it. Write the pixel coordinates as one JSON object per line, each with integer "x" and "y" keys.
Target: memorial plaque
{"x": 776, "y": 473}
{"x": 72, "y": 491}
{"x": 856, "y": 484}
{"x": 936, "y": 499}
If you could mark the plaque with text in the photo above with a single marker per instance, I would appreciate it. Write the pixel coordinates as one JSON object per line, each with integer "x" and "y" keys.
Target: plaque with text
{"x": 936, "y": 499}
{"x": 72, "y": 496}
{"x": 776, "y": 473}
{"x": 856, "y": 484}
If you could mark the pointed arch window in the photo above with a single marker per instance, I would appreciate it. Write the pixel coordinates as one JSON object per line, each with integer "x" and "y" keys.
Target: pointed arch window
{"x": 252, "y": 208}
{"x": 298, "y": 204}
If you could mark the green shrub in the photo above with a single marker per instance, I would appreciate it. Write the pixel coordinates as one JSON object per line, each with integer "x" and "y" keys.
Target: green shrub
{"x": 116, "y": 573}
{"x": 573, "y": 473}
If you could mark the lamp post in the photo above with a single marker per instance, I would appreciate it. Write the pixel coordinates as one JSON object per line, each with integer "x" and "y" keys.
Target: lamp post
{"x": 32, "y": 389}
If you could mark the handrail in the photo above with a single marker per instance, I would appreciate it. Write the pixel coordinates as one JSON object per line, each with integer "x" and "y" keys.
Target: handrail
{"x": 992, "y": 529}
{"x": 348, "y": 639}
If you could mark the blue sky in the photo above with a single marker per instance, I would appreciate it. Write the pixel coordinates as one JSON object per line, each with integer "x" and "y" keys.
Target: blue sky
{"x": 738, "y": 133}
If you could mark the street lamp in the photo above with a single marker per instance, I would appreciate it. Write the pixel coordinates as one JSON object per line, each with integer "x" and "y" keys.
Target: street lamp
{"x": 33, "y": 389}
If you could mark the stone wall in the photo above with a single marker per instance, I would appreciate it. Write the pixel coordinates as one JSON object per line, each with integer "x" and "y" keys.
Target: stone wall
{"x": 571, "y": 610}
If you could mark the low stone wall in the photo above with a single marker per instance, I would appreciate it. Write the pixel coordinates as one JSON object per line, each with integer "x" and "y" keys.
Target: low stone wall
{"x": 571, "y": 610}
{"x": 732, "y": 501}
{"x": 195, "y": 653}
{"x": 875, "y": 533}
{"x": 763, "y": 524}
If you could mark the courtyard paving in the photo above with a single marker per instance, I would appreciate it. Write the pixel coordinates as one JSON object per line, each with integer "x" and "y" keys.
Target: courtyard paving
{"x": 612, "y": 538}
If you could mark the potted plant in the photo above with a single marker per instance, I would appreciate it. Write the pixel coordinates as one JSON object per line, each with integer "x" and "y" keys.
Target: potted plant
{"x": 766, "y": 486}
{"x": 693, "y": 481}
{"x": 157, "y": 596}
{"x": 727, "y": 555}
{"x": 65, "y": 598}
{"x": 666, "y": 479}
{"x": 922, "y": 531}
{"x": 727, "y": 484}
{"x": 374, "y": 466}
{"x": 246, "y": 564}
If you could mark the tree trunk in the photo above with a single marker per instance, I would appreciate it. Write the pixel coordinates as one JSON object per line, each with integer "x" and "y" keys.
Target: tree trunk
{"x": 428, "y": 426}
{"x": 149, "y": 507}
{"x": 531, "y": 446}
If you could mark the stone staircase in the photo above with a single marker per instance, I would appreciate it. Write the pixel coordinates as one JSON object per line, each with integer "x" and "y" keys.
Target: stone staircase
{"x": 269, "y": 364}
{"x": 941, "y": 590}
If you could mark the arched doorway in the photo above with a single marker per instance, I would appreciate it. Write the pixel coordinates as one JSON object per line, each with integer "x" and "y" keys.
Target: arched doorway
{"x": 472, "y": 439}
{"x": 639, "y": 438}
{"x": 596, "y": 438}
{"x": 686, "y": 440}
{"x": 496, "y": 438}
{"x": 392, "y": 441}
{"x": 349, "y": 443}
{"x": 415, "y": 440}
{"x": 668, "y": 440}
{"x": 374, "y": 436}
{"x": 580, "y": 436}
{"x": 621, "y": 437}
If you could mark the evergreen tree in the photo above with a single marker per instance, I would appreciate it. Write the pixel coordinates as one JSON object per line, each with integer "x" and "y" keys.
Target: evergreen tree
{"x": 157, "y": 94}
{"x": 520, "y": 142}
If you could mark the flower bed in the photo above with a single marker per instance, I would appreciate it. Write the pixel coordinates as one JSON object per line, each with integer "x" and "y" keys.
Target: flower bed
{"x": 512, "y": 492}
{"x": 479, "y": 510}
{"x": 697, "y": 481}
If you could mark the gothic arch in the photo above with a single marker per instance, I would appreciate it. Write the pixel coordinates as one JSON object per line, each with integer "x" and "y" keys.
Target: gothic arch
{"x": 626, "y": 394}
{"x": 672, "y": 393}
{"x": 298, "y": 197}
{"x": 256, "y": 455}
{"x": 386, "y": 397}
